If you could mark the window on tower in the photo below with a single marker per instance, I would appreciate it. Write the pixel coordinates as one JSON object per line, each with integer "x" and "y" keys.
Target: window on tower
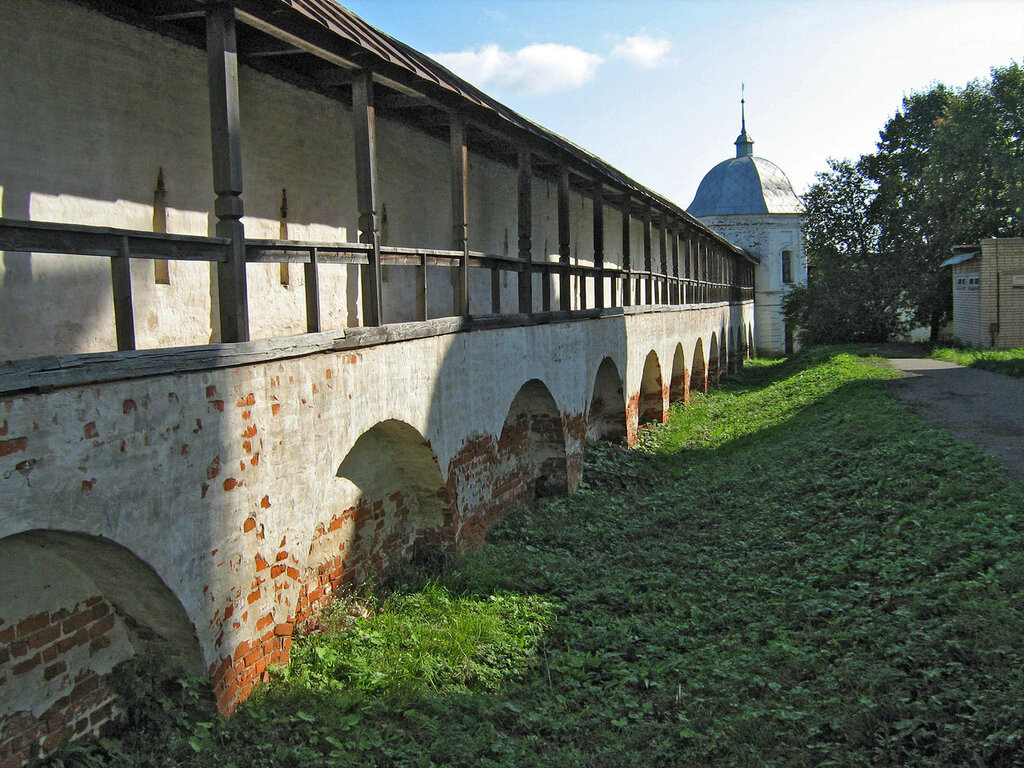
{"x": 787, "y": 266}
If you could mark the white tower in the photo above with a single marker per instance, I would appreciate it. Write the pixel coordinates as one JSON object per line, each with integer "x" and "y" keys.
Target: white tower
{"x": 750, "y": 202}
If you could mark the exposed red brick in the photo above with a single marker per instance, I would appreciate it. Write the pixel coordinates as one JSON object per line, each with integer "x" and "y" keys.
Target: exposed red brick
{"x": 90, "y": 430}
{"x": 265, "y": 502}
{"x": 33, "y": 624}
{"x": 55, "y": 669}
{"x": 128, "y": 406}
{"x": 15, "y": 445}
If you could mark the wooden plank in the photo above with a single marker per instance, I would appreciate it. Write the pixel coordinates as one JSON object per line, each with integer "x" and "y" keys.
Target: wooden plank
{"x": 121, "y": 283}
{"x": 525, "y": 208}
{"x": 460, "y": 209}
{"x": 46, "y": 237}
{"x": 364, "y": 130}
{"x": 564, "y": 228}
{"x": 599, "y": 245}
{"x": 312, "y": 292}
{"x": 226, "y": 145}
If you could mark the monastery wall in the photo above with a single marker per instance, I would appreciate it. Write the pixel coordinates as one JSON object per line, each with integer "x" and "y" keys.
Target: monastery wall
{"x": 89, "y": 124}
{"x": 201, "y": 516}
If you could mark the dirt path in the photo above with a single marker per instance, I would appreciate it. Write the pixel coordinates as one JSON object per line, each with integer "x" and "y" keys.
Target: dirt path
{"x": 978, "y": 406}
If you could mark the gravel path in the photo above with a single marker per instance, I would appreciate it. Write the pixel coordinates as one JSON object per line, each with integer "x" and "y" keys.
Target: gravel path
{"x": 978, "y": 406}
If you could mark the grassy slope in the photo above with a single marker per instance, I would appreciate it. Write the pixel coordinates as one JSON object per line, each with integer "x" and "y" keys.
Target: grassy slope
{"x": 1006, "y": 361}
{"x": 793, "y": 572}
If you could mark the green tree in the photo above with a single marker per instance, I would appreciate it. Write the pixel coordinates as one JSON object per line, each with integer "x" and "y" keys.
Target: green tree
{"x": 853, "y": 292}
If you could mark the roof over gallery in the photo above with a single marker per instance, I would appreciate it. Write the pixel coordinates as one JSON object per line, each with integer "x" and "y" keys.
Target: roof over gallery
{"x": 744, "y": 184}
{"x": 319, "y": 45}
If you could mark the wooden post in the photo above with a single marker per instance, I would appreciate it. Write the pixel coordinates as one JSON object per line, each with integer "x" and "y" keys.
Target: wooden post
{"x": 599, "y": 245}
{"x": 627, "y": 261}
{"x": 649, "y": 281}
{"x": 121, "y": 282}
{"x": 677, "y": 293}
{"x": 226, "y": 144}
{"x": 421, "y": 288}
{"x": 460, "y": 209}
{"x": 564, "y": 287}
{"x": 525, "y": 232}
{"x": 312, "y": 282}
{"x": 364, "y": 130}
{"x": 663, "y": 252}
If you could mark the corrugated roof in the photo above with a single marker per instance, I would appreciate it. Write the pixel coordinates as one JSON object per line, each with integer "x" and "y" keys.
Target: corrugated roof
{"x": 961, "y": 257}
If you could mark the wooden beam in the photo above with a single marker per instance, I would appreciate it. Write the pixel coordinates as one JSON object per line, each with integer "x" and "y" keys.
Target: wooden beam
{"x": 525, "y": 231}
{"x": 312, "y": 281}
{"x": 627, "y": 261}
{"x": 364, "y": 125}
{"x": 460, "y": 209}
{"x": 663, "y": 253}
{"x": 599, "y": 245}
{"x": 121, "y": 283}
{"x": 226, "y": 142}
{"x": 649, "y": 282}
{"x": 677, "y": 286}
{"x": 564, "y": 292}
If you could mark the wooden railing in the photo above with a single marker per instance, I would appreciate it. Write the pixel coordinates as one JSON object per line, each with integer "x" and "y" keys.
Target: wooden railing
{"x": 626, "y": 287}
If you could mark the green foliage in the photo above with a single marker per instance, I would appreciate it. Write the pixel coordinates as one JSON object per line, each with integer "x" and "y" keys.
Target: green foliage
{"x": 948, "y": 170}
{"x": 1009, "y": 362}
{"x": 426, "y": 640}
{"x": 794, "y": 571}
{"x": 854, "y": 293}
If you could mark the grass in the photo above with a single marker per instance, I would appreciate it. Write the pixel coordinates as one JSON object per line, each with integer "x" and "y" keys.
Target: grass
{"x": 1009, "y": 362}
{"x": 794, "y": 571}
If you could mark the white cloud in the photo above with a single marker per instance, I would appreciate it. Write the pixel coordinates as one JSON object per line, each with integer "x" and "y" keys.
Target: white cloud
{"x": 534, "y": 70}
{"x": 643, "y": 50}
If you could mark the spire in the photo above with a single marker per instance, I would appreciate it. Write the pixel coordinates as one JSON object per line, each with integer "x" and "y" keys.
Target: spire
{"x": 744, "y": 144}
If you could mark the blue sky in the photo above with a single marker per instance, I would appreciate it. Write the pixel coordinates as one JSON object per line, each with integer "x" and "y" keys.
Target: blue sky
{"x": 653, "y": 87}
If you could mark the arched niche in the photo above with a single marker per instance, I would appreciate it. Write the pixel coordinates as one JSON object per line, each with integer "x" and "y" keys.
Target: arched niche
{"x": 679, "y": 384}
{"x": 72, "y": 607}
{"x": 607, "y": 416}
{"x": 713, "y": 370}
{"x": 698, "y": 372}
{"x": 652, "y": 392}
{"x": 386, "y": 497}
{"x": 530, "y": 459}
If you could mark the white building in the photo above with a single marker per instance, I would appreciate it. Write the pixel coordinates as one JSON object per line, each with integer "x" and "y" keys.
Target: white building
{"x": 750, "y": 201}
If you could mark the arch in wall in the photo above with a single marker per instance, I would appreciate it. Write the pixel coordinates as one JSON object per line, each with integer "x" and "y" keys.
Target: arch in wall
{"x": 652, "y": 392}
{"x": 80, "y": 605}
{"x": 679, "y": 384}
{"x": 713, "y": 366}
{"x": 530, "y": 459}
{"x": 387, "y": 503}
{"x": 606, "y": 419}
{"x": 699, "y": 371}
{"x": 751, "y": 352}
{"x": 735, "y": 350}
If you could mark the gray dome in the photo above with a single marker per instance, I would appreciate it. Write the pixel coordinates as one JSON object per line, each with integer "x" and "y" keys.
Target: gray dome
{"x": 744, "y": 184}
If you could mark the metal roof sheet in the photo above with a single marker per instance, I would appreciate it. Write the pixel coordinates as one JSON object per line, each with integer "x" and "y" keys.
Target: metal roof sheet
{"x": 348, "y": 25}
{"x": 745, "y": 185}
